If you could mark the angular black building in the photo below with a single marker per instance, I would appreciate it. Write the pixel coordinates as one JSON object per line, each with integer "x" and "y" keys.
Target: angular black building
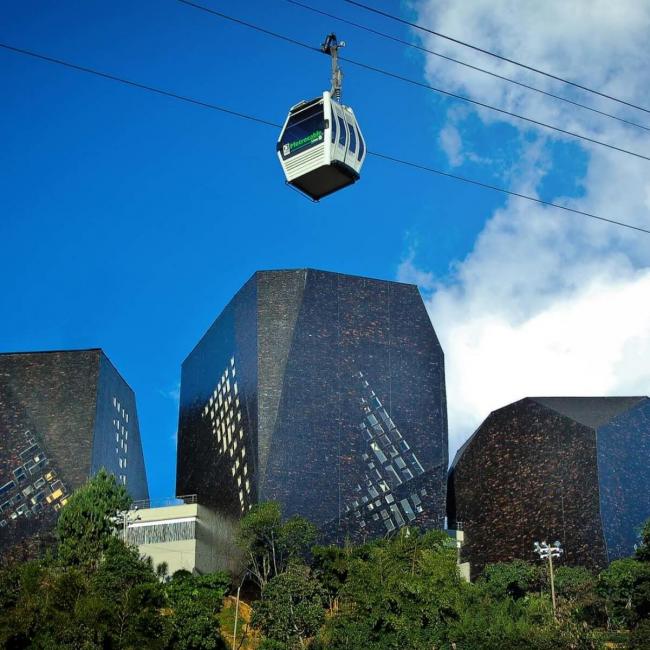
{"x": 324, "y": 392}
{"x": 573, "y": 469}
{"x": 63, "y": 416}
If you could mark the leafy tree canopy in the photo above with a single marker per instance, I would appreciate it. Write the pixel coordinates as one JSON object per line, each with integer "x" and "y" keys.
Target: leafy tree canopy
{"x": 514, "y": 579}
{"x": 195, "y": 602}
{"x": 400, "y": 593}
{"x": 291, "y": 609}
{"x": 85, "y": 527}
{"x": 269, "y": 543}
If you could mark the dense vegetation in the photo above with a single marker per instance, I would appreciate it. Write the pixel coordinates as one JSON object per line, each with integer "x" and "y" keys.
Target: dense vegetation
{"x": 405, "y": 592}
{"x": 95, "y": 592}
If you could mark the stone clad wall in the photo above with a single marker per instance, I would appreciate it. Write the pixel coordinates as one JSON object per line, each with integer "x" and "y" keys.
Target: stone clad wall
{"x": 533, "y": 472}
{"x": 316, "y": 335}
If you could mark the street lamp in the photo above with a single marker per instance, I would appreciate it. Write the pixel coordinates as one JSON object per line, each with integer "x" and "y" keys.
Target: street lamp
{"x": 234, "y": 634}
{"x": 124, "y": 518}
{"x": 550, "y": 552}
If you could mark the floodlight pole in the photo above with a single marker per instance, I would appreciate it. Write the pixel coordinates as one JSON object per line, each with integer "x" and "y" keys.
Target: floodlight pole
{"x": 234, "y": 634}
{"x": 550, "y": 569}
{"x": 125, "y": 518}
{"x": 548, "y": 552}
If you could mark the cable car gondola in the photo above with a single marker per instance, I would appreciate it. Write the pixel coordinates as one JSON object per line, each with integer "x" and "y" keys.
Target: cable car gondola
{"x": 321, "y": 148}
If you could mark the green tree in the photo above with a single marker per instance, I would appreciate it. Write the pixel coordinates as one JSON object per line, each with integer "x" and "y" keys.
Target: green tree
{"x": 195, "y": 602}
{"x": 97, "y": 593}
{"x": 117, "y": 605}
{"x": 269, "y": 543}
{"x": 330, "y": 566}
{"x": 640, "y": 636}
{"x": 399, "y": 593}
{"x": 616, "y": 585}
{"x": 85, "y": 527}
{"x": 503, "y": 623}
{"x": 134, "y": 594}
{"x": 514, "y": 579}
{"x": 577, "y": 597}
{"x": 291, "y": 609}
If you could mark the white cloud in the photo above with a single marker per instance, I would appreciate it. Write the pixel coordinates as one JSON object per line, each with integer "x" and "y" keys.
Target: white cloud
{"x": 547, "y": 303}
{"x": 451, "y": 144}
{"x": 408, "y": 272}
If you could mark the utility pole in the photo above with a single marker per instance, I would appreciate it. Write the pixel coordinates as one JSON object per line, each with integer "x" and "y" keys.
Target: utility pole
{"x": 124, "y": 518}
{"x": 234, "y": 634}
{"x": 547, "y": 552}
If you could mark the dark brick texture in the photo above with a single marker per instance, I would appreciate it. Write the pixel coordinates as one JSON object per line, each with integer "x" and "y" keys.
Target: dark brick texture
{"x": 541, "y": 469}
{"x": 340, "y": 410}
{"x": 59, "y": 423}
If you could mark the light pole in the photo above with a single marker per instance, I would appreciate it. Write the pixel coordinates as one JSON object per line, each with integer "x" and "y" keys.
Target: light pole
{"x": 234, "y": 634}
{"x": 125, "y": 517}
{"x": 547, "y": 552}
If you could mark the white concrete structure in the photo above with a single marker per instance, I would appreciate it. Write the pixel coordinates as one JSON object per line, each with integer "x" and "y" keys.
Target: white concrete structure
{"x": 186, "y": 536}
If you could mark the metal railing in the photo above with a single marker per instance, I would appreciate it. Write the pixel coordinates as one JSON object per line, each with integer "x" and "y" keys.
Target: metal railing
{"x": 165, "y": 501}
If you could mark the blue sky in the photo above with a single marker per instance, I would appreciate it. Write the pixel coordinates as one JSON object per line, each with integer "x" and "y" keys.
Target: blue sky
{"x": 128, "y": 220}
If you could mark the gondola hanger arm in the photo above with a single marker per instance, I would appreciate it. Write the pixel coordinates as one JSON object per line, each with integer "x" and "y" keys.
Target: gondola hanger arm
{"x": 331, "y": 46}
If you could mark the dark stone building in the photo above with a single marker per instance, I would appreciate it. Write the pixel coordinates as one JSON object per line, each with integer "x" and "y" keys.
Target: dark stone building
{"x": 63, "y": 416}
{"x": 322, "y": 391}
{"x": 575, "y": 469}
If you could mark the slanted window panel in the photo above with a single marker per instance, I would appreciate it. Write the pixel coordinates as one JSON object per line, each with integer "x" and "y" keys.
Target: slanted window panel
{"x": 362, "y": 148}
{"x": 406, "y": 506}
{"x": 353, "y": 138}
{"x": 304, "y": 130}
{"x": 341, "y": 131}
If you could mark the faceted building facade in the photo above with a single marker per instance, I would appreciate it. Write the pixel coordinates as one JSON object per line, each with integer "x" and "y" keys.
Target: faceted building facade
{"x": 324, "y": 392}
{"x": 573, "y": 469}
{"x": 63, "y": 416}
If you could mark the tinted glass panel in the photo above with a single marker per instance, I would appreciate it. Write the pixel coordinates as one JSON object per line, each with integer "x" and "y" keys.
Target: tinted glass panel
{"x": 341, "y": 131}
{"x": 333, "y": 122}
{"x": 362, "y": 148}
{"x": 304, "y": 130}
{"x": 353, "y": 138}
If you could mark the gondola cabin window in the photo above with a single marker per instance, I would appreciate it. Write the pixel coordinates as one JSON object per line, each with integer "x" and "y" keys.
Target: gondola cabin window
{"x": 305, "y": 129}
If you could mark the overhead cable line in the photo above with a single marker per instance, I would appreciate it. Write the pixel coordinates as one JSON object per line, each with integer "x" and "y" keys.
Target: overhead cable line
{"x": 494, "y": 54}
{"x": 465, "y": 64}
{"x": 136, "y": 84}
{"x": 259, "y": 120}
{"x": 414, "y": 82}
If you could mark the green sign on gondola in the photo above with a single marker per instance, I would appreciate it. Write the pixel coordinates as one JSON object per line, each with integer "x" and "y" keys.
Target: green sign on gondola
{"x": 312, "y": 138}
